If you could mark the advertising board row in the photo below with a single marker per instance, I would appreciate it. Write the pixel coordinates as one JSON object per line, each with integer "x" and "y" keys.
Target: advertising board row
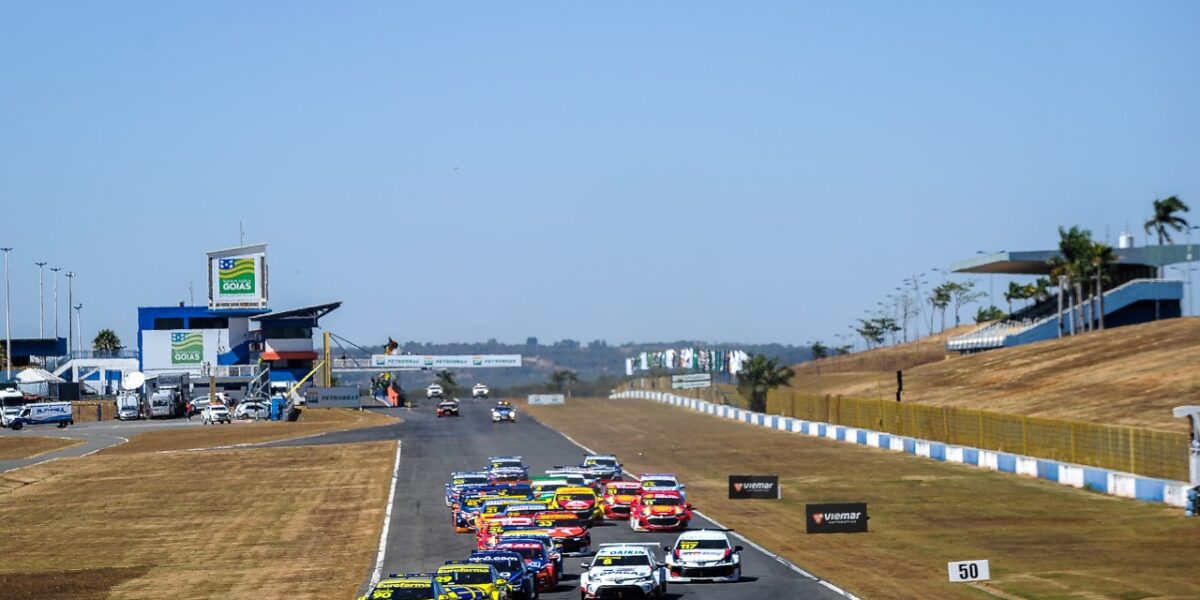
{"x": 547, "y": 399}
{"x": 448, "y": 361}
{"x": 845, "y": 517}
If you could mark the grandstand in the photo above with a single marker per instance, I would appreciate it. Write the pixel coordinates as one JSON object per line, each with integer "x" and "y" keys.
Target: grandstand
{"x": 1135, "y": 294}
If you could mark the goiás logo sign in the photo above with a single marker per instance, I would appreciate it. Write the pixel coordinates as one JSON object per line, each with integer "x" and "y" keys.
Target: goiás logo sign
{"x": 187, "y": 347}
{"x": 763, "y": 487}
{"x": 836, "y": 518}
{"x": 236, "y": 276}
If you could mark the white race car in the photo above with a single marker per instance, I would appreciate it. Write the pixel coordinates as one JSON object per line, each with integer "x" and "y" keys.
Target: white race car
{"x": 703, "y": 555}
{"x": 434, "y": 391}
{"x": 622, "y": 571}
{"x": 480, "y": 391}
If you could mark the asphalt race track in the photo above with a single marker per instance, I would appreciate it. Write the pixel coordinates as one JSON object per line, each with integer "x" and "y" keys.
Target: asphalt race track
{"x": 421, "y": 538}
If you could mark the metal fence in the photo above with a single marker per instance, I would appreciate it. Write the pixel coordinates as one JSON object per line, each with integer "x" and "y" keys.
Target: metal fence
{"x": 1136, "y": 450}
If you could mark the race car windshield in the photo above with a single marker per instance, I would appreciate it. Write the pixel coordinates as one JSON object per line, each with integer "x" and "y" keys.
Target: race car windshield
{"x": 666, "y": 483}
{"x": 505, "y": 565}
{"x": 661, "y": 501}
{"x": 602, "y": 462}
{"x": 404, "y": 593}
{"x": 501, "y": 464}
{"x": 471, "y": 577}
{"x": 702, "y": 545}
{"x": 576, "y": 497}
{"x": 528, "y": 553}
{"x": 558, "y": 522}
{"x": 630, "y": 560}
{"x": 470, "y": 480}
{"x": 614, "y": 490}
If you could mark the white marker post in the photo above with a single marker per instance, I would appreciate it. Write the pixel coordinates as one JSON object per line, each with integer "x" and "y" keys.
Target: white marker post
{"x": 969, "y": 570}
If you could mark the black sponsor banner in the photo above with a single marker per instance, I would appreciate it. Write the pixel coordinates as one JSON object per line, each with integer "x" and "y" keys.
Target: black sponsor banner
{"x": 765, "y": 487}
{"x": 836, "y": 518}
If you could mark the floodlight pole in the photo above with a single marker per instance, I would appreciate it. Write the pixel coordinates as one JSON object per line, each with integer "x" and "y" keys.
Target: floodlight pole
{"x": 41, "y": 299}
{"x": 79, "y": 327}
{"x": 7, "y": 304}
{"x": 1191, "y": 306}
{"x": 70, "y": 303}
{"x": 55, "y": 270}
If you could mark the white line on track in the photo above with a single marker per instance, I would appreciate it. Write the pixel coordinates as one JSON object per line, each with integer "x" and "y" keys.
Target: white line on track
{"x": 377, "y": 574}
{"x": 781, "y": 560}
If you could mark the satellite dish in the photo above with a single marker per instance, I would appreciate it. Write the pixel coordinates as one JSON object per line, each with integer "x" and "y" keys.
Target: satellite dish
{"x": 133, "y": 380}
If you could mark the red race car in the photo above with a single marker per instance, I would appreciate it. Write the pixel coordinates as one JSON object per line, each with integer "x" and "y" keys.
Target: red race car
{"x": 568, "y": 531}
{"x": 618, "y": 495}
{"x": 659, "y": 510}
{"x": 488, "y": 534}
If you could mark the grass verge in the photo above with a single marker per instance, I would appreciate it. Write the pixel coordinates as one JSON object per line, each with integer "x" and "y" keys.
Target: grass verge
{"x": 312, "y": 422}
{"x": 1043, "y": 540}
{"x": 16, "y": 448}
{"x": 297, "y": 522}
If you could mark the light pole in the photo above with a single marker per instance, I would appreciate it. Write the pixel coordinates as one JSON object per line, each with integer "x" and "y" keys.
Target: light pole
{"x": 55, "y": 270}
{"x": 41, "y": 299}
{"x": 1191, "y": 312}
{"x": 7, "y": 303}
{"x": 79, "y": 327}
{"x": 70, "y": 303}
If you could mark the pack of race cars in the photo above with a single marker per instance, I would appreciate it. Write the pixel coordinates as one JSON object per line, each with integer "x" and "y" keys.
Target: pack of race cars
{"x": 524, "y": 527}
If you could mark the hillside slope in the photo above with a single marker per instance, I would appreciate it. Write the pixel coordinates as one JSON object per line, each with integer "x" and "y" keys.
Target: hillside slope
{"x": 1125, "y": 376}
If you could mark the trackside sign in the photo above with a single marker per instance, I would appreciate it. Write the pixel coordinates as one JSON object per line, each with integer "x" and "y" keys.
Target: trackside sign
{"x": 836, "y": 518}
{"x": 760, "y": 487}
{"x": 547, "y": 399}
{"x": 969, "y": 570}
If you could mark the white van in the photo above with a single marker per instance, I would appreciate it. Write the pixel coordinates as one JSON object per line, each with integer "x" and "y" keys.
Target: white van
{"x": 44, "y": 413}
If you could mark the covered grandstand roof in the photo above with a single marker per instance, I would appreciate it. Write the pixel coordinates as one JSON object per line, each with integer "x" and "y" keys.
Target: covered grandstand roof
{"x": 308, "y": 312}
{"x": 1033, "y": 262}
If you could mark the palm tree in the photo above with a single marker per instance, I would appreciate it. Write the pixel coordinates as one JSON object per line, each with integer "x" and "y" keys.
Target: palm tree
{"x": 445, "y": 378}
{"x": 1164, "y": 218}
{"x": 106, "y": 341}
{"x": 1015, "y": 291}
{"x": 758, "y": 376}
{"x": 1101, "y": 259}
{"x": 562, "y": 379}
{"x": 1074, "y": 247}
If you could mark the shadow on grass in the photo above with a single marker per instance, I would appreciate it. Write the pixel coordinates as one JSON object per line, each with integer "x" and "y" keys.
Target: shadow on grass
{"x": 81, "y": 584}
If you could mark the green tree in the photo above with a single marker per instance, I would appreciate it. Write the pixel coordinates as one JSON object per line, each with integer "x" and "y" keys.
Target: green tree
{"x": 1074, "y": 250}
{"x": 819, "y": 350}
{"x": 991, "y": 313}
{"x": 1165, "y": 219}
{"x": 760, "y": 375}
{"x": 1101, "y": 257}
{"x": 445, "y": 378}
{"x": 562, "y": 379}
{"x": 843, "y": 350}
{"x": 939, "y": 300}
{"x": 1015, "y": 291}
{"x": 106, "y": 340}
{"x": 870, "y": 332}
{"x": 961, "y": 295}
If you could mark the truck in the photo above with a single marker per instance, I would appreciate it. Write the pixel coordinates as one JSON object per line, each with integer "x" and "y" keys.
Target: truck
{"x": 129, "y": 406}
{"x": 44, "y": 413}
{"x": 12, "y": 400}
{"x": 164, "y": 404}
{"x": 175, "y": 390}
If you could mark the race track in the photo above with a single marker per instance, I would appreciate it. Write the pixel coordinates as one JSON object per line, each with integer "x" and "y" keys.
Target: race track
{"x": 421, "y": 538}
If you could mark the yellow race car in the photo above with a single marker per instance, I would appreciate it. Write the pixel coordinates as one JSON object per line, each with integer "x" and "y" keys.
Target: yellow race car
{"x": 481, "y": 578}
{"x": 418, "y": 586}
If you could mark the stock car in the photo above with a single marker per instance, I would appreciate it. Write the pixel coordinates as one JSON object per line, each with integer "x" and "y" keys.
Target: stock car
{"x": 488, "y": 533}
{"x": 659, "y": 510}
{"x": 480, "y": 390}
{"x": 434, "y": 390}
{"x": 569, "y": 532}
{"x": 416, "y": 586}
{"x": 703, "y": 555}
{"x": 494, "y": 507}
{"x": 511, "y": 566}
{"x": 662, "y": 481}
{"x": 478, "y": 577}
{"x": 503, "y": 412}
{"x": 508, "y": 463}
{"x": 617, "y": 498}
{"x": 538, "y": 535}
{"x": 580, "y": 500}
{"x": 578, "y": 476}
{"x": 603, "y": 467}
{"x": 533, "y": 553}
{"x": 622, "y": 571}
{"x": 544, "y": 487}
{"x": 447, "y": 408}
{"x": 461, "y": 480}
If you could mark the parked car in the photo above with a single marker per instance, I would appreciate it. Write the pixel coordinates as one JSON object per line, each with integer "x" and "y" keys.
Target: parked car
{"x": 216, "y": 413}
{"x": 252, "y": 410}
{"x": 129, "y": 406}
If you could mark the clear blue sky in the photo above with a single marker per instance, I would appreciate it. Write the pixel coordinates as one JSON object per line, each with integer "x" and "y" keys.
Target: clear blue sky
{"x": 628, "y": 171}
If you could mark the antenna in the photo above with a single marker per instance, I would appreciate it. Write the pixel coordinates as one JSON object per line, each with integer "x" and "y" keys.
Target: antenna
{"x": 133, "y": 381}
{"x": 191, "y": 294}
{"x": 241, "y": 235}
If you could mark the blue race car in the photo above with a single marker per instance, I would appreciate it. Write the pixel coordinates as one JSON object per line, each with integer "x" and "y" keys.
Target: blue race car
{"x": 460, "y": 480}
{"x": 511, "y": 566}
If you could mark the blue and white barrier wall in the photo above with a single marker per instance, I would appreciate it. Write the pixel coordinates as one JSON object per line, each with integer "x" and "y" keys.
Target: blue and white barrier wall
{"x": 1105, "y": 481}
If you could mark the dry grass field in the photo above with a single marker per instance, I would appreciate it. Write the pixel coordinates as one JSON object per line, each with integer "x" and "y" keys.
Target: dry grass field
{"x": 1126, "y": 376}
{"x": 232, "y": 524}
{"x": 15, "y": 448}
{"x": 312, "y": 422}
{"x": 140, "y": 522}
{"x": 1043, "y": 540}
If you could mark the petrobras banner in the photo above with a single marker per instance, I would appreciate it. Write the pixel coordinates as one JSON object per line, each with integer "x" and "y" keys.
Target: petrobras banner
{"x": 237, "y": 278}
{"x": 330, "y": 397}
{"x": 445, "y": 361}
